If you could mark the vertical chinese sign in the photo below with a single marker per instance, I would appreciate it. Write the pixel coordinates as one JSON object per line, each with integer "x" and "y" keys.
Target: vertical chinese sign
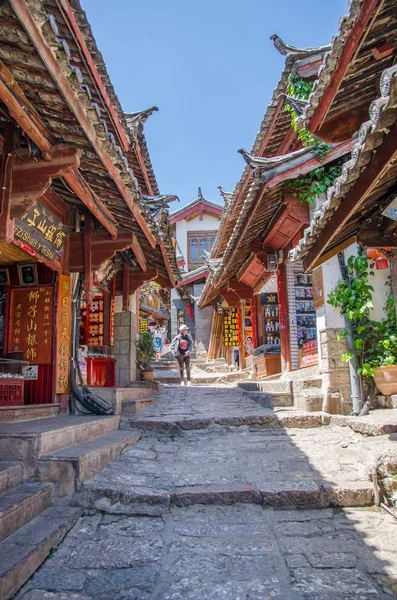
{"x": 31, "y": 323}
{"x": 63, "y": 345}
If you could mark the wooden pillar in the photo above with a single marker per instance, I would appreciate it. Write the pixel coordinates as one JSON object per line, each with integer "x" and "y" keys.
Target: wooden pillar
{"x": 284, "y": 318}
{"x": 259, "y": 321}
{"x": 88, "y": 275}
{"x": 126, "y": 286}
{"x": 6, "y": 224}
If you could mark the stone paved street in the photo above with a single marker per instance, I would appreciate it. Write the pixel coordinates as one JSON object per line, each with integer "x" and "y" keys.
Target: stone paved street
{"x": 204, "y": 507}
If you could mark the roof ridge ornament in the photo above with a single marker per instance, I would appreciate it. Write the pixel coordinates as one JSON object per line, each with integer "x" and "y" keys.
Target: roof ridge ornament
{"x": 200, "y": 194}
{"x": 287, "y": 50}
{"x": 227, "y": 196}
{"x": 138, "y": 119}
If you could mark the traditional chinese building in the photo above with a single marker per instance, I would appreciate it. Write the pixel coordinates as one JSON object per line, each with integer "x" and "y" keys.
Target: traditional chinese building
{"x": 267, "y": 216}
{"x": 79, "y": 199}
{"x": 194, "y": 228}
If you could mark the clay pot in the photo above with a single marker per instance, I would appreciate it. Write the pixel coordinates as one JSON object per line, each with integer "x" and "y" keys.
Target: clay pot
{"x": 386, "y": 379}
{"x": 147, "y": 375}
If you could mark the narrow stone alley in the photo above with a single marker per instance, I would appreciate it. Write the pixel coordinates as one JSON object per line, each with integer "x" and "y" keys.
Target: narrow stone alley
{"x": 221, "y": 500}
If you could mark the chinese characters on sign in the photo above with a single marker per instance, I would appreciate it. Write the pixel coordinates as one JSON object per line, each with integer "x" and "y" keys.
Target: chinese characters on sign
{"x": 31, "y": 323}
{"x": 108, "y": 270}
{"x": 62, "y": 366}
{"x": 41, "y": 231}
{"x": 230, "y": 328}
{"x": 269, "y": 299}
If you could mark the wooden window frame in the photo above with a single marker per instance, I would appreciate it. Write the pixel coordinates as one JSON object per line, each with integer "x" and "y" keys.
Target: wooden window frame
{"x": 199, "y": 235}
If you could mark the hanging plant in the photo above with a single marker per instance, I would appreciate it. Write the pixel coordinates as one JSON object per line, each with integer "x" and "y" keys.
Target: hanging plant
{"x": 310, "y": 187}
{"x": 300, "y": 89}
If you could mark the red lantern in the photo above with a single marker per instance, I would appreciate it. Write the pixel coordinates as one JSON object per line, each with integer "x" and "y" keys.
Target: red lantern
{"x": 381, "y": 263}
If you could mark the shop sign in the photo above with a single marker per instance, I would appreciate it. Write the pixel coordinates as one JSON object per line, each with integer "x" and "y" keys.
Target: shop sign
{"x": 143, "y": 325}
{"x": 269, "y": 299}
{"x": 63, "y": 344}
{"x": 309, "y": 353}
{"x": 31, "y": 318}
{"x": 318, "y": 288}
{"x": 108, "y": 270}
{"x": 40, "y": 230}
{"x": 30, "y": 373}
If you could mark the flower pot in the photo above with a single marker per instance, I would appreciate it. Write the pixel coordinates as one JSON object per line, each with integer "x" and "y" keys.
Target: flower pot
{"x": 386, "y": 379}
{"x": 147, "y": 374}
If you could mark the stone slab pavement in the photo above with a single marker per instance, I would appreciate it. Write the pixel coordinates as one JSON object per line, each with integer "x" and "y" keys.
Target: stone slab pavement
{"x": 240, "y": 552}
{"x": 200, "y": 509}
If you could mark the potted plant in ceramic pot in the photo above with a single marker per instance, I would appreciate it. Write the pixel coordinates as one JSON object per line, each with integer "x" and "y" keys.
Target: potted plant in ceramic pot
{"x": 375, "y": 342}
{"x": 145, "y": 353}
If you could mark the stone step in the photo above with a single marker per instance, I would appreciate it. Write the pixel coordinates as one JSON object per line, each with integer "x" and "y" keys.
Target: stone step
{"x": 270, "y": 387}
{"x": 310, "y": 400}
{"x": 303, "y": 385}
{"x": 28, "y": 412}
{"x": 264, "y": 418}
{"x": 24, "y": 551}
{"x": 11, "y": 475}
{"x": 68, "y": 467}
{"x": 131, "y": 407}
{"x": 21, "y": 504}
{"x": 117, "y": 396}
{"x": 27, "y": 441}
{"x": 286, "y": 494}
{"x": 265, "y": 400}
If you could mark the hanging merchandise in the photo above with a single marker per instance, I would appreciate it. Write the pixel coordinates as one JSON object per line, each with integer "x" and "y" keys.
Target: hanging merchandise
{"x": 230, "y": 328}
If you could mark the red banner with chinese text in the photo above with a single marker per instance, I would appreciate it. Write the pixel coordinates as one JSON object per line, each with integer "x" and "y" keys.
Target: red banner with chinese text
{"x": 63, "y": 346}
{"x": 31, "y": 323}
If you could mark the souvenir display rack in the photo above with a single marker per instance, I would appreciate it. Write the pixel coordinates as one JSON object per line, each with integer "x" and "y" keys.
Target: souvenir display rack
{"x": 305, "y": 312}
{"x": 230, "y": 328}
{"x": 272, "y": 326}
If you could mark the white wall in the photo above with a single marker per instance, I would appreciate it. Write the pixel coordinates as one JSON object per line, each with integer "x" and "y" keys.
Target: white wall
{"x": 209, "y": 223}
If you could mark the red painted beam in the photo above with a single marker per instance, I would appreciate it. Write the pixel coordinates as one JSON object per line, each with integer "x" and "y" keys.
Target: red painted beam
{"x": 49, "y": 58}
{"x": 65, "y": 7}
{"x": 199, "y": 208}
{"x": 167, "y": 263}
{"x": 346, "y": 56}
{"x": 138, "y": 252}
{"x": 365, "y": 184}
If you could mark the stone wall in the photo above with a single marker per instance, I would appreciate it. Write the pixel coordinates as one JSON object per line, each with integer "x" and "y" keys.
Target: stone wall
{"x": 125, "y": 337}
{"x": 336, "y": 380}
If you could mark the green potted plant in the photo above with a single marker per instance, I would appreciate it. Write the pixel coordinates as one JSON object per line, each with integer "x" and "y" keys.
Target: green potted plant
{"x": 145, "y": 353}
{"x": 375, "y": 342}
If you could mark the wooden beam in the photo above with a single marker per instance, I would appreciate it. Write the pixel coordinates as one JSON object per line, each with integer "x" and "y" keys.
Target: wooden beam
{"x": 138, "y": 278}
{"x": 349, "y": 48}
{"x": 138, "y": 253}
{"x": 167, "y": 263}
{"x": 324, "y": 257}
{"x": 364, "y": 185}
{"x": 32, "y": 178}
{"x": 126, "y": 286}
{"x": 47, "y": 54}
{"x": 102, "y": 248}
{"x": 163, "y": 281}
{"x": 22, "y": 111}
{"x": 80, "y": 187}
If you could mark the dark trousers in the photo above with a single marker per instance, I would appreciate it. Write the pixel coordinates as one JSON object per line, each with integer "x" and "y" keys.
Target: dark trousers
{"x": 184, "y": 361}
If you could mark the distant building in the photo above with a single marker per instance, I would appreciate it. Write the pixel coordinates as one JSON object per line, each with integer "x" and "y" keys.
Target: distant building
{"x": 194, "y": 228}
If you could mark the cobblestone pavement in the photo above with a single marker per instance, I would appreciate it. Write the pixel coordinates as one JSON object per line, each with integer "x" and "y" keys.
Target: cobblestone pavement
{"x": 203, "y": 516}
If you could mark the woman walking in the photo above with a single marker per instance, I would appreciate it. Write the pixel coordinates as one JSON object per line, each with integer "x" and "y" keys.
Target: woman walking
{"x": 181, "y": 346}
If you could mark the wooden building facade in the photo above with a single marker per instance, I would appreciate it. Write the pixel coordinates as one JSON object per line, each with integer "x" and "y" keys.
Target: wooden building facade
{"x": 78, "y": 196}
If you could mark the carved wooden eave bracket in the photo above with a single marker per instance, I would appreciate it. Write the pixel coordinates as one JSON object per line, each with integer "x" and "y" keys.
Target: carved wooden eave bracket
{"x": 32, "y": 178}
{"x": 136, "y": 120}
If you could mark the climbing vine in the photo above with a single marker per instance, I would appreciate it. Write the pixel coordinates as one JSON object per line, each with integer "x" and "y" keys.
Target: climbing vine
{"x": 310, "y": 187}
{"x": 300, "y": 89}
{"x": 375, "y": 342}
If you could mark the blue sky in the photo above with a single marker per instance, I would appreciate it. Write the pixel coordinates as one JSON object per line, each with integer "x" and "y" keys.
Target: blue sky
{"x": 210, "y": 68}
